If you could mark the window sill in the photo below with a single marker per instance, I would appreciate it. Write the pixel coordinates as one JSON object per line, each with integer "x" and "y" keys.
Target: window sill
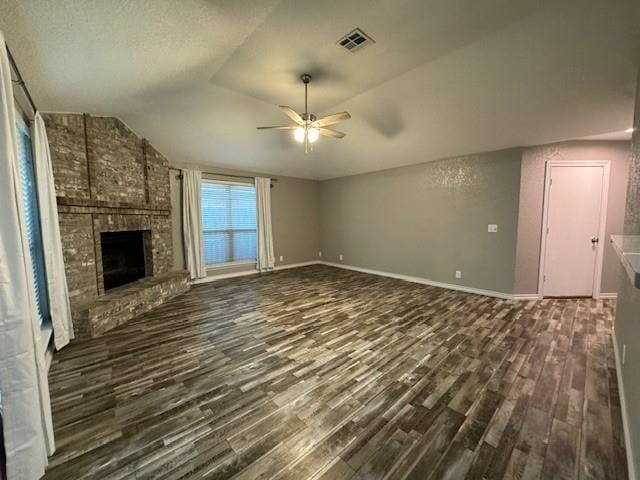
{"x": 221, "y": 266}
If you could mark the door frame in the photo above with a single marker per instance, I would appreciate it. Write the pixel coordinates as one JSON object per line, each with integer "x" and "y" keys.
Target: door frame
{"x": 597, "y": 277}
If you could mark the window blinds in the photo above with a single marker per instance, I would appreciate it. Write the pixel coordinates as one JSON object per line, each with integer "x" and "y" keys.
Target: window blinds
{"x": 228, "y": 222}
{"x": 32, "y": 219}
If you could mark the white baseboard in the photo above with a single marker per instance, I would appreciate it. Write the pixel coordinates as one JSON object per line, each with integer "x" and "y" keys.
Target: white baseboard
{"x": 623, "y": 407}
{"x": 607, "y": 296}
{"x": 296, "y": 265}
{"x": 535, "y": 296}
{"x": 525, "y": 296}
{"x": 424, "y": 281}
{"x": 222, "y": 276}
{"x": 407, "y": 278}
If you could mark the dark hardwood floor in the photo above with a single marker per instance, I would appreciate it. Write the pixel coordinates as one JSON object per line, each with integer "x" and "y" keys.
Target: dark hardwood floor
{"x": 321, "y": 373}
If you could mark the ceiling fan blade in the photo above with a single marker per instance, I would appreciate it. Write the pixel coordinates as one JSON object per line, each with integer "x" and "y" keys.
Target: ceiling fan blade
{"x": 292, "y": 114}
{"x": 281, "y": 127}
{"x": 329, "y": 132}
{"x": 332, "y": 119}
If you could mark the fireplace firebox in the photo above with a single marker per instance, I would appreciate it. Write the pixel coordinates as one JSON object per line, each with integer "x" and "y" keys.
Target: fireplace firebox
{"x": 123, "y": 257}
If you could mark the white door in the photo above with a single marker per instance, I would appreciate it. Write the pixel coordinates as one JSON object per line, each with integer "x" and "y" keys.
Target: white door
{"x": 575, "y": 208}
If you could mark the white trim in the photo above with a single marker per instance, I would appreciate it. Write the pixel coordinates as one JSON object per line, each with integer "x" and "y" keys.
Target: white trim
{"x": 623, "y": 407}
{"x": 423, "y": 281}
{"x": 296, "y": 265}
{"x": 222, "y": 276}
{"x": 608, "y": 296}
{"x": 525, "y": 296}
{"x": 248, "y": 183}
{"x": 221, "y": 266}
{"x": 407, "y": 278}
{"x": 597, "y": 277}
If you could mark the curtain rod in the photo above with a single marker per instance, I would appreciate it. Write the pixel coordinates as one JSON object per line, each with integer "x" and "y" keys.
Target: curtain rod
{"x": 20, "y": 80}
{"x": 224, "y": 175}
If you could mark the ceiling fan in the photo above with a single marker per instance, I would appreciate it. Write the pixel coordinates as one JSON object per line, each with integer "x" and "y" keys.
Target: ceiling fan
{"x": 308, "y": 128}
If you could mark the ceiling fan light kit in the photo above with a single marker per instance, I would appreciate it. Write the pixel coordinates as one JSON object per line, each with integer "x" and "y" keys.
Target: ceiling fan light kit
{"x": 313, "y": 134}
{"x": 308, "y": 128}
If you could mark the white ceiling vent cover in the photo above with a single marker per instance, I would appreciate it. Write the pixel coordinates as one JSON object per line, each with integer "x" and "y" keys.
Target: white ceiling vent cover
{"x": 355, "y": 40}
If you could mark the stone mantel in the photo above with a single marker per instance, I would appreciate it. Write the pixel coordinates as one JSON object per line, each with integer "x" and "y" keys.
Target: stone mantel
{"x": 63, "y": 202}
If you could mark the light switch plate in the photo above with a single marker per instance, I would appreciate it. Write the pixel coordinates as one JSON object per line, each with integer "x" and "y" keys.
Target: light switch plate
{"x": 458, "y": 274}
{"x": 492, "y": 228}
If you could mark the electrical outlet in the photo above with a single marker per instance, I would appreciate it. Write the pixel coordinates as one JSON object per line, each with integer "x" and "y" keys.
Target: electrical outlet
{"x": 492, "y": 228}
{"x": 281, "y": 258}
{"x": 458, "y": 274}
{"x": 319, "y": 254}
{"x": 341, "y": 257}
{"x": 624, "y": 353}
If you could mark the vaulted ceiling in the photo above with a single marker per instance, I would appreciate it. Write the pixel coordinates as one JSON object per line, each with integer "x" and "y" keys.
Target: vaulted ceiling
{"x": 196, "y": 77}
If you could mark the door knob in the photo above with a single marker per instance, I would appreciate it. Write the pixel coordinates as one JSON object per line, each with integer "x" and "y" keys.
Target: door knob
{"x": 595, "y": 240}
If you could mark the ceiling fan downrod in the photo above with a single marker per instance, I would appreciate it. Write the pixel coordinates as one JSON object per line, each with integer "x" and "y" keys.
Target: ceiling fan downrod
{"x": 306, "y": 78}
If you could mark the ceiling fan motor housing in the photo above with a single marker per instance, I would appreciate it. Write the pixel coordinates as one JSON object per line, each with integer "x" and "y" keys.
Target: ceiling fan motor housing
{"x": 308, "y": 117}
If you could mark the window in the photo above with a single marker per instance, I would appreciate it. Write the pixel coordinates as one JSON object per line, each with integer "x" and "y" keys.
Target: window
{"x": 32, "y": 218}
{"x": 228, "y": 222}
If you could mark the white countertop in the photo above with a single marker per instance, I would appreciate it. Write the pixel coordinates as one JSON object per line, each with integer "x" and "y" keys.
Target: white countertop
{"x": 627, "y": 247}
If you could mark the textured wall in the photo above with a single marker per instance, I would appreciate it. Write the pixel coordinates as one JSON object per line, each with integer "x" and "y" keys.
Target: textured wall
{"x": 428, "y": 220}
{"x": 101, "y": 161}
{"x": 159, "y": 190}
{"x": 116, "y": 161}
{"x": 627, "y": 324}
{"x": 295, "y": 209}
{"x": 106, "y": 179}
{"x": 76, "y": 232}
{"x": 69, "y": 155}
{"x": 632, "y": 210}
{"x": 531, "y": 204}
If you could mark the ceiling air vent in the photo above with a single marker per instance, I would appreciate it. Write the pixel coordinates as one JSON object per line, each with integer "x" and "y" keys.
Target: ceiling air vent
{"x": 355, "y": 40}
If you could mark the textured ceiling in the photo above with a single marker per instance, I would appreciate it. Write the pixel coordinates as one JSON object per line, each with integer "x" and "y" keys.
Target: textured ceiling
{"x": 196, "y": 77}
{"x": 301, "y": 36}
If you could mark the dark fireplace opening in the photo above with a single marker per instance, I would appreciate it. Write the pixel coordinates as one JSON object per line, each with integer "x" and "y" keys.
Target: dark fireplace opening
{"x": 123, "y": 258}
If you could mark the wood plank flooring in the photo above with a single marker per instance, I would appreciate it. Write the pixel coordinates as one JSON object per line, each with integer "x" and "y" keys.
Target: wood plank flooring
{"x": 322, "y": 373}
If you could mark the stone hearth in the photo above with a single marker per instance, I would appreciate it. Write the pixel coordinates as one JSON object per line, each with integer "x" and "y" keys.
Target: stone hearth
{"x": 109, "y": 180}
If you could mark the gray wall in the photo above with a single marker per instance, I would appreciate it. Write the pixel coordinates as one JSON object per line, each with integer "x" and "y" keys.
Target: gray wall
{"x": 531, "y": 204}
{"x": 295, "y": 217}
{"x": 428, "y": 220}
{"x": 627, "y": 324}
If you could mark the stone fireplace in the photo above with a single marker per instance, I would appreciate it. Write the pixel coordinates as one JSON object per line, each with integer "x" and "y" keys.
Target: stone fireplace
{"x": 122, "y": 260}
{"x": 114, "y": 208}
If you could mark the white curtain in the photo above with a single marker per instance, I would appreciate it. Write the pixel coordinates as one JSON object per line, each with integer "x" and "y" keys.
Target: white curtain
{"x": 192, "y": 223}
{"x": 266, "y": 258}
{"x": 28, "y": 431}
{"x": 54, "y": 263}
